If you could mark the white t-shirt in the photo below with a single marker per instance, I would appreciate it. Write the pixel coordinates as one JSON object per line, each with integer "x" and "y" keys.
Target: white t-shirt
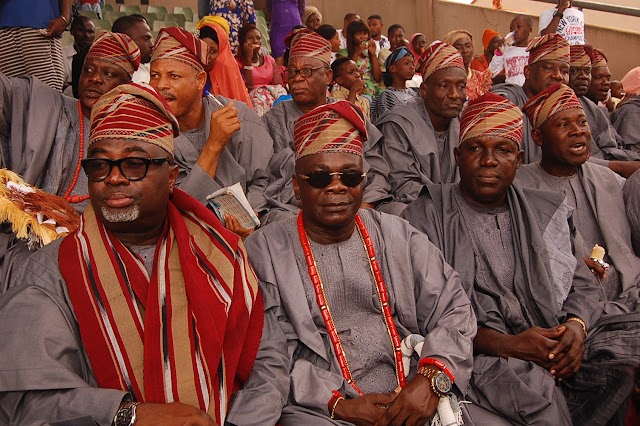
{"x": 343, "y": 40}
{"x": 513, "y": 61}
{"x": 571, "y": 26}
{"x": 383, "y": 43}
{"x": 142, "y": 74}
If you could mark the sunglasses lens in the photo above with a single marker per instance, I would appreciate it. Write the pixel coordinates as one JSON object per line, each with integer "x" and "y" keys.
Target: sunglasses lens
{"x": 351, "y": 179}
{"x": 319, "y": 179}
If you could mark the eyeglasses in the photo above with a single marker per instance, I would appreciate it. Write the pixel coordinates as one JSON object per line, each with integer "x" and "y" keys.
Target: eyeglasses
{"x": 132, "y": 168}
{"x": 305, "y": 72}
{"x": 322, "y": 179}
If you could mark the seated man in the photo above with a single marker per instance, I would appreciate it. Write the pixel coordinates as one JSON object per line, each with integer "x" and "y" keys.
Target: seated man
{"x": 222, "y": 142}
{"x": 534, "y": 297}
{"x": 420, "y": 135}
{"x": 600, "y": 78}
{"x": 137, "y": 27}
{"x": 309, "y": 76}
{"x": 342, "y": 288}
{"x": 44, "y": 134}
{"x": 631, "y": 193}
{"x": 595, "y": 192}
{"x": 78, "y": 344}
{"x": 605, "y": 141}
{"x": 549, "y": 63}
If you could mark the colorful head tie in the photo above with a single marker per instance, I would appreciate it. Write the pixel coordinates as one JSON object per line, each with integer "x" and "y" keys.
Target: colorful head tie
{"x": 454, "y": 36}
{"x": 210, "y": 20}
{"x": 487, "y": 36}
{"x": 580, "y": 56}
{"x": 309, "y": 44}
{"x": 439, "y": 56}
{"x": 550, "y": 101}
{"x": 395, "y": 56}
{"x": 491, "y": 115}
{"x": 180, "y": 45}
{"x": 549, "y": 47}
{"x": 335, "y": 127}
{"x": 117, "y": 49}
{"x": 134, "y": 112}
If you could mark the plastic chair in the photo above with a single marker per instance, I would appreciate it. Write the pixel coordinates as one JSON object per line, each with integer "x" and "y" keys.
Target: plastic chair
{"x": 89, "y": 14}
{"x": 158, "y": 25}
{"x": 103, "y": 24}
{"x": 186, "y": 11}
{"x": 107, "y": 7}
{"x": 130, "y": 9}
{"x": 112, "y": 16}
{"x": 150, "y": 17}
{"x": 161, "y": 11}
{"x": 190, "y": 26}
{"x": 178, "y": 17}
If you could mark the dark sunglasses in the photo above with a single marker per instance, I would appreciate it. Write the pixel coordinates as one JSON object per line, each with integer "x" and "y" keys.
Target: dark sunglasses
{"x": 322, "y": 179}
{"x": 132, "y": 168}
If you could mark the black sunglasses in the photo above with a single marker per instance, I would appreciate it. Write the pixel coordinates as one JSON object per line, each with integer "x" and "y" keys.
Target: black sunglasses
{"x": 322, "y": 179}
{"x": 132, "y": 168}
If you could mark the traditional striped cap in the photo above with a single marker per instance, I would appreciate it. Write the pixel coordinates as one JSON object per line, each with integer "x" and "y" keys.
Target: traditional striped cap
{"x": 549, "y": 102}
{"x": 598, "y": 58}
{"x": 118, "y": 49}
{"x": 549, "y": 47}
{"x": 309, "y": 44}
{"x": 439, "y": 56}
{"x": 335, "y": 127}
{"x": 580, "y": 55}
{"x": 134, "y": 112}
{"x": 454, "y": 36}
{"x": 180, "y": 45}
{"x": 491, "y": 115}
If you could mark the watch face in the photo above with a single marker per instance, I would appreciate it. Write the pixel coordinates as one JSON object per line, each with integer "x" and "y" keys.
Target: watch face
{"x": 442, "y": 382}
{"x": 124, "y": 417}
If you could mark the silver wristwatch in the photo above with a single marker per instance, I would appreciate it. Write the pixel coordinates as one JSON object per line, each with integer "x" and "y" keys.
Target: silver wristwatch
{"x": 126, "y": 415}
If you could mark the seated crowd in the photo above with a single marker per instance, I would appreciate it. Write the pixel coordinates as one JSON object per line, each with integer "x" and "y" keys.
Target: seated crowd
{"x": 440, "y": 237}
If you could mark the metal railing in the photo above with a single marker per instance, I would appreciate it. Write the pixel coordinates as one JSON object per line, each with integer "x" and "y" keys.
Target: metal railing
{"x": 602, "y": 7}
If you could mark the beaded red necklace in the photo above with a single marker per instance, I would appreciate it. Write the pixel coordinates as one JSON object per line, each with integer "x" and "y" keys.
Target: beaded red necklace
{"x": 383, "y": 297}
{"x": 74, "y": 199}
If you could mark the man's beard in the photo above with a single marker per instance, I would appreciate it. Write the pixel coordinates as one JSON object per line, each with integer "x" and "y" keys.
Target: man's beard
{"x": 121, "y": 215}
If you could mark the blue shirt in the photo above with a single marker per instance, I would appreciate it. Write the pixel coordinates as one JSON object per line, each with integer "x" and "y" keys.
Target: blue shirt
{"x": 28, "y": 13}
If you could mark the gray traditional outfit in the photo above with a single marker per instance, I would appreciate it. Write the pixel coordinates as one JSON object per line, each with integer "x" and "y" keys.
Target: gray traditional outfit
{"x": 279, "y": 194}
{"x": 602, "y": 191}
{"x": 625, "y": 120}
{"x": 631, "y": 193}
{"x": 244, "y": 159}
{"x": 416, "y": 153}
{"x": 295, "y": 370}
{"x": 518, "y": 266}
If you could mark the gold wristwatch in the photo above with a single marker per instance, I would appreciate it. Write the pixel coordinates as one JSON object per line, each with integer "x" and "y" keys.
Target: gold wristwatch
{"x": 440, "y": 382}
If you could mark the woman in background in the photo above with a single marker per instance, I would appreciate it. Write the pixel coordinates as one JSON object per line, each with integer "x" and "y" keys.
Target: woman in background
{"x": 224, "y": 78}
{"x": 285, "y": 15}
{"x": 261, "y": 73}
{"x": 362, "y": 50}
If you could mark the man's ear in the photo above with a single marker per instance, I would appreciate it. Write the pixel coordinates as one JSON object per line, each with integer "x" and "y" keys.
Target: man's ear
{"x": 536, "y": 135}
{"x": 329, "y": 76}
{"x": 173, "y": 176}
{"x": 456, "y": 155}
{"x": 296, "y": 186}
{"x": 201, "y": 80}
{"x": 527, "y": 71}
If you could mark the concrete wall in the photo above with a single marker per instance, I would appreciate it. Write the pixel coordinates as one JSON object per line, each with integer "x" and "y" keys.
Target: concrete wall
{"x": 435, "y": 18}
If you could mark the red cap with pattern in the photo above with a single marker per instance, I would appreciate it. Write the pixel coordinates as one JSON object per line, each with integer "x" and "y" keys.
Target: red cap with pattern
{"x": 118, "y": 49}
{"x": 491, "y": 115}
{"x": 549, "y": 102}
{"x": 439, "y": 56}
{"x": 580, "y": 55}
{"x": 180, "y": 45}
{"x": 598, "y": 58}
{"x": 134, "y": 112}
{"x": 335, "y": 127}
{"x": 309, "y": 44}
{"x": 549, "y": 47}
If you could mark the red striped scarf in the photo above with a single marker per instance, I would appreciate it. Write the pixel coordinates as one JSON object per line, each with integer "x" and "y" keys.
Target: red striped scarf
{"x": 188, "y": 333}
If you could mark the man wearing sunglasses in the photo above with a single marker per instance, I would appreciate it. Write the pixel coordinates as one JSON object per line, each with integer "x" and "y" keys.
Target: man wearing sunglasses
{"x": 149, "y": 313}
{"x": 309, "y": 75}
{"x": 222, "y": 142}
{"x": 518, "y": 256}
{"x": 343, "y": 286}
